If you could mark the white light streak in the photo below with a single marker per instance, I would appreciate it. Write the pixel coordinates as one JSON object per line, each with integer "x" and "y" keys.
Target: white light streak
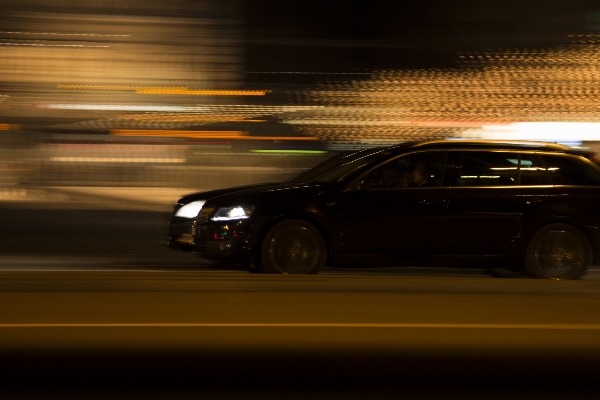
{"x": 62, "y": 34}
{"x": 111, "y": 107}
{"x": 540, "y": 131}
{"x": 49, "y": 45}
{"x": 119, "y": 159}
{"x": 199, "y": 110}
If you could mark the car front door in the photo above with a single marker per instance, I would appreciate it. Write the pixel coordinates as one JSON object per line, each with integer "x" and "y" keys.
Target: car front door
{"x": 397, "y": 210}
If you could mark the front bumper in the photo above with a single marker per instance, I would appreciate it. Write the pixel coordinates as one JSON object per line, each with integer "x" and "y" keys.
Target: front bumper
{"x": 229, "y": 240}
{"x": 182, "y": 235}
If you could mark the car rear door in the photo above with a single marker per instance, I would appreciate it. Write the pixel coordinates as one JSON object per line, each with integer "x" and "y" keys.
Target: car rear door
{"x": 576, "y": 192}
{"x": 493, "y": 195}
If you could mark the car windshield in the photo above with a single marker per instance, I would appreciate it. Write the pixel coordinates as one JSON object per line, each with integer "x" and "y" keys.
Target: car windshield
{"x": 339, "y": 166}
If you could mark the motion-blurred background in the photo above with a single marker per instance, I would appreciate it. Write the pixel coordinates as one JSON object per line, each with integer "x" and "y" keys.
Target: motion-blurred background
{"x": 151, "y": 99}
{"x": 112, "y": 109}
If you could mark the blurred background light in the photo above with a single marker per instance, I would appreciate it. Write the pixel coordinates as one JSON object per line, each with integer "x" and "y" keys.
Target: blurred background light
{"x": 561, "y": 132}
{"x": 552, "y": 87}
{"x": 244, "y": 91}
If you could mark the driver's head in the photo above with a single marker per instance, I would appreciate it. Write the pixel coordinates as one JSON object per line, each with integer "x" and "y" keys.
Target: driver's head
{"x": 420, "y": 173}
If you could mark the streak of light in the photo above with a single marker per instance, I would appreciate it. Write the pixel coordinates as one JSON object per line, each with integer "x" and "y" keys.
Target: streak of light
{"x": 540, "y": 131}
{"x": 594, "y": 327}
{"x": 234, "y": 109}
{"x": 307, "y": 73}
{"x": 111, "y": 87}
{"x": 168, "y": 90}
{"x": 211, "y": 145}
{"x": 489, "y": 88}
{"x": 289, "y": 151}
{"x": 179, "y": 133}
{"x": 111, "y": 107}
{"x": 61, "y": 34}
{"x": 188, "y": 118}
{"x": 50, "y": 45}
{"x": 240, "y": 135}
{"x": 199, "y": 92}
{"x": 119, "y": 159}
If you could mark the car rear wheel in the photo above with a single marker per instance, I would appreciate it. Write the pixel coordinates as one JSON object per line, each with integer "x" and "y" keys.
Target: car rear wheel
{"x": 293, "y": 247}
{"x": 558, "y": 251}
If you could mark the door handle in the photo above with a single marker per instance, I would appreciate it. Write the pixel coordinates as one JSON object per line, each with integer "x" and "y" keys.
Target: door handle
{"x": 431, "y": 201}
{"x": 530, "y": 200}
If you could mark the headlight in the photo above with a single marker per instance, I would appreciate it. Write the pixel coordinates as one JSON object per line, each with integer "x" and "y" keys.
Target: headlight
{"x": 231, "y": 213}
{"x": 190, "y": 210}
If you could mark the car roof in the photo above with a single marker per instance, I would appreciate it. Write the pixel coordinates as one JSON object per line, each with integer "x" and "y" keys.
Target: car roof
{"x": 489, "y": 144}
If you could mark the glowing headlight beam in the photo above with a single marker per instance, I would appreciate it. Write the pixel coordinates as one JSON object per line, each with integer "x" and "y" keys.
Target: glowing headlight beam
{"x": 190, "y": 210}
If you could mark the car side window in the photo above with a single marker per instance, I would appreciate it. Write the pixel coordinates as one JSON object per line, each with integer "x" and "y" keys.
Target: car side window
{"x": 497, "y": 168}
{"x": 410, "y": 171}
{"x": 487, "y": 168}
{"x": 532, "y": 172}
{"x": 567, "y": 170}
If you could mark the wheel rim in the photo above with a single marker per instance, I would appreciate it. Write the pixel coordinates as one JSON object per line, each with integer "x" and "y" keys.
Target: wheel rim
{"x": 559, "y": 253}
{"x": 294, "y": 250}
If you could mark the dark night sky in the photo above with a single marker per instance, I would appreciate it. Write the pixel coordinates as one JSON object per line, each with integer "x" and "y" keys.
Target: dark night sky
{"x": 344, "y": 36}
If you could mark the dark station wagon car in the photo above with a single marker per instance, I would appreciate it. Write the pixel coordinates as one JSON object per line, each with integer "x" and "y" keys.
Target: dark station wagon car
{"x": 513, "y": 206}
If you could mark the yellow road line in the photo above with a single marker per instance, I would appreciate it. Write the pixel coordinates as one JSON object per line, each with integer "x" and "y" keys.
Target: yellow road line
{"x": 305, "y": 325}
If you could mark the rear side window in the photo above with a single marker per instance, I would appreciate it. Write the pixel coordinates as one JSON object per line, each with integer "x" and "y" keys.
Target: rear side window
{"x": 497, "y": 168}
{"x": 532, "y": 171}
{"x": 571, "y": 171}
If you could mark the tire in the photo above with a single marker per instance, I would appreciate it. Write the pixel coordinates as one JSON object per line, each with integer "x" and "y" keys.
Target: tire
{"x": 293, "y": 247}
{"x": 558, "y": 251}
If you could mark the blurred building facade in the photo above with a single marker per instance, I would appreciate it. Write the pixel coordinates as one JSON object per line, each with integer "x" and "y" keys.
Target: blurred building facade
{"x": 133, "y": 42}
{"x": 98, "y": 53}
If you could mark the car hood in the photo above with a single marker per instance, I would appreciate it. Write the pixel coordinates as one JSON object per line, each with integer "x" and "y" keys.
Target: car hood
{"x": 248, "y": 190}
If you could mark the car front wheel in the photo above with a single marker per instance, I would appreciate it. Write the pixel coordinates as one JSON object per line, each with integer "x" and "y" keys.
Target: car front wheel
{"x": 558, "y": 251}
{"x": 293, "y": 246}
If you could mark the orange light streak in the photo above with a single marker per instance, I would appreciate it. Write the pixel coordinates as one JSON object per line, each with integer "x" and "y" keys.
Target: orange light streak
{"x": 168, "y": 90}
{"x": 236, "y": 135}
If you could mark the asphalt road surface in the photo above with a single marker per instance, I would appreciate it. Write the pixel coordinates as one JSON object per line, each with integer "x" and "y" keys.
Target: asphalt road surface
{"x": 93, "y": 306}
